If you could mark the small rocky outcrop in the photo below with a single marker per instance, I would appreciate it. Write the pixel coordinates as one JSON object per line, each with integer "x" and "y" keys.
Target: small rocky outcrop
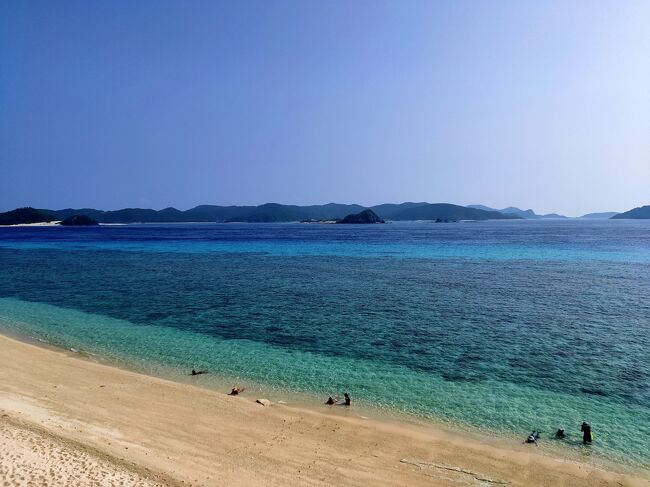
{"x": 79, "y": 221}
{"x": 366, "y": 216}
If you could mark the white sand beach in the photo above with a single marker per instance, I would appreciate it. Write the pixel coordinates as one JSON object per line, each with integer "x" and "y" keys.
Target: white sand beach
{"x": 39, "y": 224}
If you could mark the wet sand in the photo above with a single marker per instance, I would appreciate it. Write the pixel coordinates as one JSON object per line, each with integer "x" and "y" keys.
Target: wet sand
{"x": 69, "y": 421}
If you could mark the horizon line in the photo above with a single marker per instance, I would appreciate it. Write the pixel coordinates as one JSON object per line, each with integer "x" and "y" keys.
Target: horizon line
{"x": 81, "y": 207}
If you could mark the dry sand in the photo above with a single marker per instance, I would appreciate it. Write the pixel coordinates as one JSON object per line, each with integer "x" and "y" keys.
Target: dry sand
{"x": 68, "y": 421}
{"x": 33, "y": 457}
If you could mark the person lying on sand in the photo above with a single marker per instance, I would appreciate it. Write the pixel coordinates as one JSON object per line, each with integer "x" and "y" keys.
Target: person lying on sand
{"x": 236, "y": 390}
{"x": 533, "y": 437}
{"x": 198, "y": 372}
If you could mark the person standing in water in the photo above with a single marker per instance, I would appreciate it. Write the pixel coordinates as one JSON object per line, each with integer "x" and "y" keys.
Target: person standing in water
{"x": 586, "y": 433}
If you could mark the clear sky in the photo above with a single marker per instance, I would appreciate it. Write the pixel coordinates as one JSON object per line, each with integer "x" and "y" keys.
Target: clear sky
{"x": 537, "y": 104}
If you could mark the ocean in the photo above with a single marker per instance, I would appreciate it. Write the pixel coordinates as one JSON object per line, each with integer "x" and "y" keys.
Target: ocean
{"x": 500, "y": 327}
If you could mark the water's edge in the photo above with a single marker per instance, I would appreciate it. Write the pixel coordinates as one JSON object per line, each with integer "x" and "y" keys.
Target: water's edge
{"x": 299, "y": 400}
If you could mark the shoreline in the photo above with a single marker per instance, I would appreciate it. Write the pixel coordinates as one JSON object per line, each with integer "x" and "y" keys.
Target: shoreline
{"x": 311, "y": 401}
{"x": 569, "y": 450}
{"x": 169, "y": 428}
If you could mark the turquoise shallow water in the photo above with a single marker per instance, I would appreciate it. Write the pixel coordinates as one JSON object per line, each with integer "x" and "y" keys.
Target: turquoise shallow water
{"x": 506, "y": 326}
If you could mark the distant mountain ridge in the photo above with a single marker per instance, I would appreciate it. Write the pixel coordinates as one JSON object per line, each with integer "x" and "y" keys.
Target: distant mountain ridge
{"x": 275, "y": 212}
{"x": 640, "y": 213}
{"x": 513, "y": 210}
{"x": 434, "y": 211}
{"x": 266, "y": 213}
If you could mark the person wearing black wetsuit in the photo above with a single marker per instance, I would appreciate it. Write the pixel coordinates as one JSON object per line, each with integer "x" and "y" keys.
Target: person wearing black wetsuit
{"x": 586, "y": 432}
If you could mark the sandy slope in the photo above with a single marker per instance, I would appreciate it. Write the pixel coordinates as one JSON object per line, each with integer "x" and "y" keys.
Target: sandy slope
{"x": 129, "y": 426}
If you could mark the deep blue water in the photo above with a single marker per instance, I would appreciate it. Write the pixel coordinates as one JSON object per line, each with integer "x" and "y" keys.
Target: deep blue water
{"x": 505, "y": 325}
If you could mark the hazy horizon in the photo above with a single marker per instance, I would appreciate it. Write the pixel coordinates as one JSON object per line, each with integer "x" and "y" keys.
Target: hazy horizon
{"x": 541, "y": 105}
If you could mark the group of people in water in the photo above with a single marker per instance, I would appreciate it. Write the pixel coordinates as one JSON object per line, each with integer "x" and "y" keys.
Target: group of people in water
{"x": 585, "y": 429}
{"x": 346, "y": 401}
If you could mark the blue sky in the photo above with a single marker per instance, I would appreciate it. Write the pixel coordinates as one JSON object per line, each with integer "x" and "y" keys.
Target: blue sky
{"x": 161, "y": 103}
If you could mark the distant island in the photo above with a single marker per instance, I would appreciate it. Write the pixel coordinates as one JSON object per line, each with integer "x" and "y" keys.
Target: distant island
{"x": 278, "y": 213}
{"x": 25, "y": 216}
{"x": 641, "y": 213}
{"x": 22, "y": 216}
{"x": 365, "y": 216}
{"x": 530, "y": 214}
{"x": 513, "y": 210}
{"x": 267, "y": 213}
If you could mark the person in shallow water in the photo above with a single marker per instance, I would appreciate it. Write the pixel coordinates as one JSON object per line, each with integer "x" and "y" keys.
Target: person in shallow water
{"x": 586, "y": 433}
{"x": 331, "y": 400}
{"x": 533, "y": 437}
{"x": 348, "y": 401}
{"x": 560, "y": 434}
